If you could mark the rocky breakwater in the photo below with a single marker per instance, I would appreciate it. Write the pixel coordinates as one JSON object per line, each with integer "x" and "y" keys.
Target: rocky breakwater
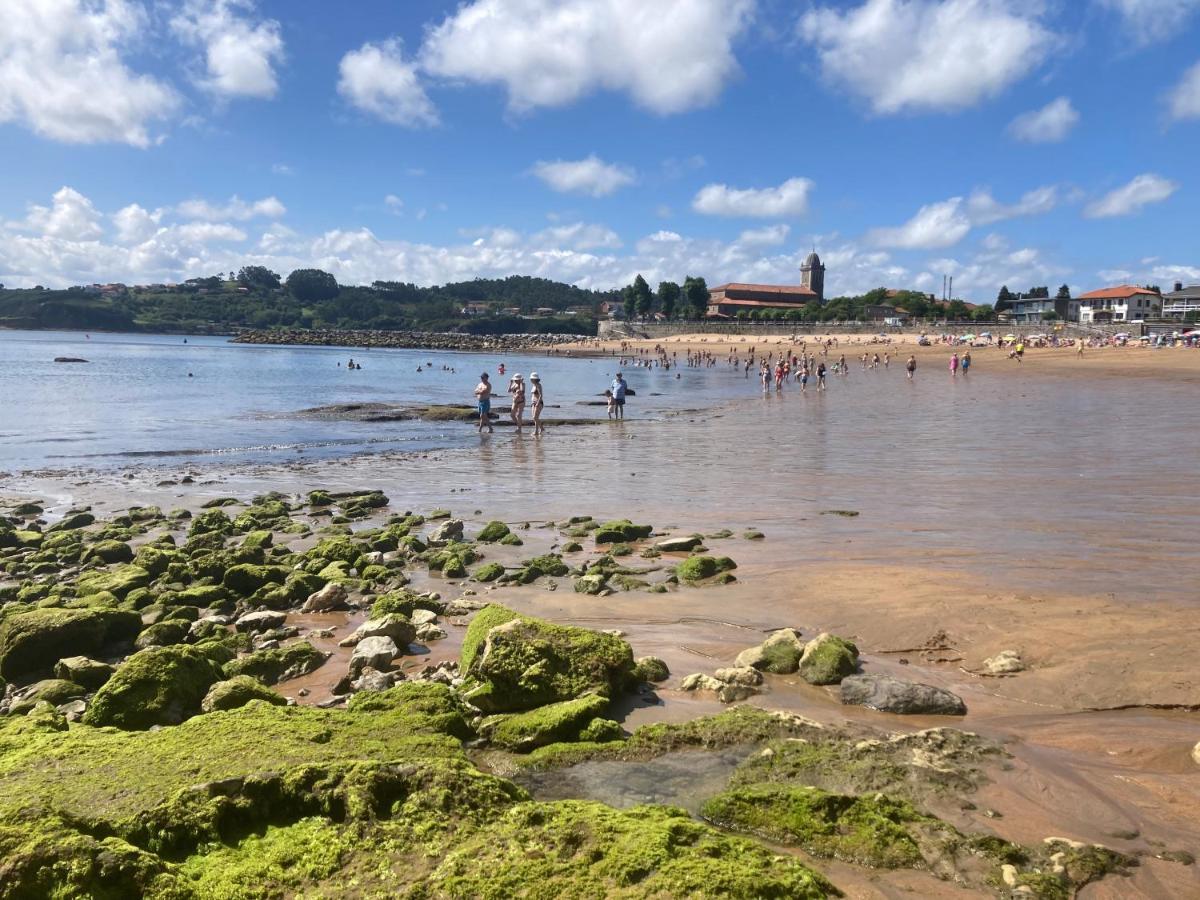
{"x": 408, "y": 340}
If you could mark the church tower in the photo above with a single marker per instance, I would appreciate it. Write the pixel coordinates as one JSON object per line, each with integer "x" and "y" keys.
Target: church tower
{"x": 812, "y": 275}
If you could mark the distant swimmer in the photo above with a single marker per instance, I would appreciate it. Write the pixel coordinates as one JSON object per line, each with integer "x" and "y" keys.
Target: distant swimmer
{"x": 500, "y": 369}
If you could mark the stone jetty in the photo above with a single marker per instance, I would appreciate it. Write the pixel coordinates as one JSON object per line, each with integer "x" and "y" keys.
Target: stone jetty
{"x": 407, "y": 340}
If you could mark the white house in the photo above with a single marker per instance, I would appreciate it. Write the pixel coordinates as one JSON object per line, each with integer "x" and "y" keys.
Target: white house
{"x": 1124, "y": 303}
{"x": 1182, "y": 302}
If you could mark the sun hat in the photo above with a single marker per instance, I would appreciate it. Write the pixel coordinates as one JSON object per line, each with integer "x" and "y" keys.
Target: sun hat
{"x": 533, "y": 376}
{"x": 518, "y": 377}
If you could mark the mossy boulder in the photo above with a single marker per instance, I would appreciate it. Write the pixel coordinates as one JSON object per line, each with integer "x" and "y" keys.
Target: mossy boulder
{"x": 488, "y": 572}
{"x": 246, "y": 578}
{"x": 827, "y": 659}
{"x": 211, "y": 521}
{"x": 514, "y": 662}
{"x": 203, "y": 596}
{"x": 779, "y": 654}
{"x": 111, "y": 552}
{"x": 591, "y": 584}
{"x": 158, "y": 686}
{"x": 54, "y": 691}
{"x": 237, "y": 692}
{"x": 88, "y": 673}
{"x": 492, "y": 532}
{"x": 72, "y": 521}
{"x": 651, "y": 669}
{"x": 278, "y": 664}
{"x": 155, "y": 560}
{"x": 545, "y": 725}
{"x": 696, "y": 569}
{"x": 404, "y": 602}
{"x": 621, "y": 530}
{"x": 33, "y": 641}
{"x": 119, "y": 581}
{"x": 162, "y": 634}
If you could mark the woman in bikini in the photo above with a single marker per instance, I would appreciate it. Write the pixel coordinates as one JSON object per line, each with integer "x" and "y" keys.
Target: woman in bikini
{"x": 539, "y": 402}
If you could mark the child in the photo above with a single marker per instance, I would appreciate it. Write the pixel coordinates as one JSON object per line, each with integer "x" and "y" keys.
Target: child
{"x": 612, "y": 403}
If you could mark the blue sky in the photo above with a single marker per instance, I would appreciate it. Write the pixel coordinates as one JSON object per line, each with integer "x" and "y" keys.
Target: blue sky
{"x": 999, "y": 141}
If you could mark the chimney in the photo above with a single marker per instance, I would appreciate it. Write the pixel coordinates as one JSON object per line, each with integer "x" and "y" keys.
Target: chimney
{"x": 1179, "y": 285}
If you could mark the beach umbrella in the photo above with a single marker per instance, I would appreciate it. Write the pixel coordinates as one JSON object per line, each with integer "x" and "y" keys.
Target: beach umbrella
{"x": 1195, "y": 332}
{"x": 1010, "y": 337}
{"x": 968, "y": 337}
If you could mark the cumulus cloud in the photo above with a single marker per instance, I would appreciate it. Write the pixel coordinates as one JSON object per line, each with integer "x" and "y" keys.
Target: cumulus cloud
{"x": 1048, "y": 125}
{"x": 580, "y": 236}
{"x": 237, "y": 209}
{"x": 591, "y": 176}
{"x": 240, "y": 54}
{"x": 70, "y": 216}
{"x": 205, "y": 232}
{"x": 1153, "y": 20}
{"x": 947, "y": 222}
{"x": 915, "y": 55}
{"x": 62, "y": 74}
{"x": 1130, "y": 198}
{"x": 136, "y": 224}
{"x": 669, "y": 56}
{"x": 377, "y": 79}
{"x": 785, "y": 200}
{"x": 1184, "y": 99}
{"x": 983, "y": 209}
{"x": 768, "y": 236}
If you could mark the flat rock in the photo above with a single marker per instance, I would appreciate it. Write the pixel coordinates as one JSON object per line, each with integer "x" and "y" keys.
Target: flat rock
{"x": 389, "y": 625}
{"x": 450, "y": 530}
{"x": 373, "y": 652}
{"x": 745, "y": 675}
{"x": 888, "y": 694}
{"x": 423, "y": 617}
{"x": 678, "y": 544}
{"x": 263, "y": 620}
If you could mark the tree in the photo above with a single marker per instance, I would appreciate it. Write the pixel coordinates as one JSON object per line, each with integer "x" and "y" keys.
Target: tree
{"x": 1049, "y": 316}
{"x": 643, "y": 298}
{"x": 259, "y": 277}
{"x": 1004, "y": 299}
{"x": 957, "y": 310}
{"x": 312, "y": 285}
{"x": 1064, "y": 292}
{"x": 696, "y": 292}
{"x": 668, "y": 297}
{"x": 1038, "y": 293}
{"x": 983, "y": 313}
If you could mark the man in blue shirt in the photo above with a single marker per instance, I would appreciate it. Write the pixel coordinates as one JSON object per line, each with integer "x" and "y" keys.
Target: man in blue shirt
{"x": 618, "y": 389}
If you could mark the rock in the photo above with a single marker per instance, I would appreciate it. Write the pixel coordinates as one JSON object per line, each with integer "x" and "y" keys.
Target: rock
{"x": 332, "y": 596}
{"x": 701, "y": 568}
{"x": 374, "y": 680}
{"x": 678, "y": 544}
{"x": 779, "y": 654}
{"x": 463, "y": 606}
{"x": 159, "y": 686}
{"x": 827, "y": 659}
{"x": 514, "y": 662}
{"x": 119, "y": 581}
{"x": 1006, "y": 662}
{"x": 71, "y": 521}
{"x": 237, "y": 692}
{"x": 888, "y": 694}
{"x": 278, "y": 664}
{"x": 701, "y": 682}
{"x": 493, "y": 532}
{"x": 546, "y": 725}
{"x": 263, "y": 620}
{"x": 111, "y": 552}
{"x": 246, "y": 578}
{"x": 88, "y": 673}
{"x": 54, "y": 691}
{"x": 69, "y": 359}
{"x": 744, "y": 675}
{"x": 430, "y": 632}
{"x": 651, "y": 668}
{"x": 423, "y": 616}
{"x": 1196, "y": 754}
{"x": 389, "y": 625}
{"x": 591, "y": 584}
{"x": 375, "y": 652}
{"x": 622, "y": 530}
{"x": 162, "y": 634}
{"x": 488, "y": 572}
{"x": 31, "y": 642}
{"x": 447, "y": 531}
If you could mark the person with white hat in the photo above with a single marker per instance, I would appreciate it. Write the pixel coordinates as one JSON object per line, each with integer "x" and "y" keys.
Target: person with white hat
{"x": 539, "y": 401}
{"x": 516, "y": 387}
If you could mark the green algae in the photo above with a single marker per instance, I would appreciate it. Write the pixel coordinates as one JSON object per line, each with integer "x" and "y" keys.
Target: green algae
{"x": 277, "y": 664}
{"x": 33, "y": 640}
{"x": 545, "y": 725}
{"x": 238, "y": 691}
{"x": 158, "y": 686}
{"x": 827, "y": 659}
{"x": 696, "y": 569}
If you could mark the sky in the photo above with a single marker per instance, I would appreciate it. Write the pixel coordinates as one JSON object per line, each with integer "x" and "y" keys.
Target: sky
{"x": 1016, "y": 142}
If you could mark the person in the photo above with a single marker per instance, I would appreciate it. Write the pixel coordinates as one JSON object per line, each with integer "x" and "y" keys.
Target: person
{"x": 911, "y": 366}
{"x": 804, "y": 378}
{"x": 887, "y": 359}
{"x": 516, "y": 387}
{"x": 966, "y": 361}
{"x": 483, "y": 394}
{"x": 619, "y": 387}
{"x": 954, "y": 365}
{"x": 1020, "y": 351}
{"x": 500, "y": 369}
{"x": 612, "y": 404}
{"x": 821, "y": 376}
{"x": 539, "y": 401}
{"x": 1079, "y": 351}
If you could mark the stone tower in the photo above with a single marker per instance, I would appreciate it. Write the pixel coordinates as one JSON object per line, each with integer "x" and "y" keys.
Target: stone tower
{"x": 812, "y": 275}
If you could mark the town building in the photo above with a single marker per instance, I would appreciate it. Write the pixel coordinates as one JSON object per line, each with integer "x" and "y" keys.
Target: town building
{"x": 1030, "y": 310}
{"x": 736, "y": 297}
{"x": 1182, "y": 303}
{"x": 1123, "y": 303}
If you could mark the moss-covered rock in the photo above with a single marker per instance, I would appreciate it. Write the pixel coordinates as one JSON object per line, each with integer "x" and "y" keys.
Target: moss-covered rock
{"x": 158, "y": 686}
{"x": 545, "y": 725}
{"x": 119, "y": 581}
{"x": 88, "y": 673}
{"x": 110, "y": 552}
{"x": 492, "y": 532}
{"x": 162, "y": 634}
{"x": 827, "y": 659}
{"x": 652, "y": 669}
{"x": 404, "y": 602}
{"x": 246, "y": 578}
{"x": 32, "y": 641}
{"x": 73, "y": 520}
{"x": 211, "y": 521}
{"x": 155, "y": 560}
{"x": 780, "y": 653}
{"x": 238, "y": 691}
{"x": 278, "y": 664}
{"x": 515, "y": 662}
{"x": 701, "y": 568}
{"x": 620, "y": 530}
{"x": 54, "y": 691}
{"x": 488, "y": 572}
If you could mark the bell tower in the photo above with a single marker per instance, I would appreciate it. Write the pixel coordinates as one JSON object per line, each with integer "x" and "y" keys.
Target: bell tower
{"x": 812, "y": 275}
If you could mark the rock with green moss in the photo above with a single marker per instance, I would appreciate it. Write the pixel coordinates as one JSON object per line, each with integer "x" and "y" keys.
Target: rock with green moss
{"x": 110, "y": 552}
{"x": 278, "y": 664}
{"x": 572, "y": 547}
{"x": 548, "y": 724}
{"x": 488, "y": 572}
{"x": 600, "y": 730}
{"x": 779, "y": 654}
{"x": 211, "y": 521}
{"x": 405, "y": 602}
{"x": 155, "y": 560}
{"x": 651, "y": 669}
{"x": 591, "y": 584}
{"x": 246, "y": 578}
{"x": 827, "y": 659}
{"x": 158, "y": 686}
{"x": 492, "y": 532}
{"x": 622, "y": 530}
{"x": 33, "y": 641}
{"x": 514, "y": 662}
{"x": 55, "y": 691}
{"x": 119, "y": 581}
{"x": 72, "y": 521}
{"x": 162, "y": 634}
{"x": 697, "y": 569}
{"x": 237, "y": 692}
{"x": 88, "y": 673}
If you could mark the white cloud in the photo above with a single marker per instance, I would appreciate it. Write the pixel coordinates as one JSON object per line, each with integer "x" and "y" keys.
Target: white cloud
{"x": 788, "y": 199}
{"x": 135, "y": 224}
{"x": 376, "y": 79}
{"x": 911, "y": 55}
{"x": 1132, "y": 197}
{"x": 768, "y": 236}
{"x": 240, "y": 54}
{"x": 934, "y": 225}
{"x": 204, "y": 232}
{"x": 1050, "y": 124}
{"x": 591, "y": 176}
{"x": 62, "y": 74}
{"x": 983, "y": 209}
{"x": 237, "y": 209}
{"x": 669, "y": 55}
{"x": 1184, "y": 99}
{"x": 393, "y": 203}
{"x": 580, "y": 236}
{"x": 282, "y": 169}
{"x": 1153, "y": 20}
{"x": 70, "y": 216}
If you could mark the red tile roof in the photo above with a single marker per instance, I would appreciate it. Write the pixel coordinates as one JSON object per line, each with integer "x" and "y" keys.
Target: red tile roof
{"x": 1112, "y": 293}
{"x": 764, "y": 288}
